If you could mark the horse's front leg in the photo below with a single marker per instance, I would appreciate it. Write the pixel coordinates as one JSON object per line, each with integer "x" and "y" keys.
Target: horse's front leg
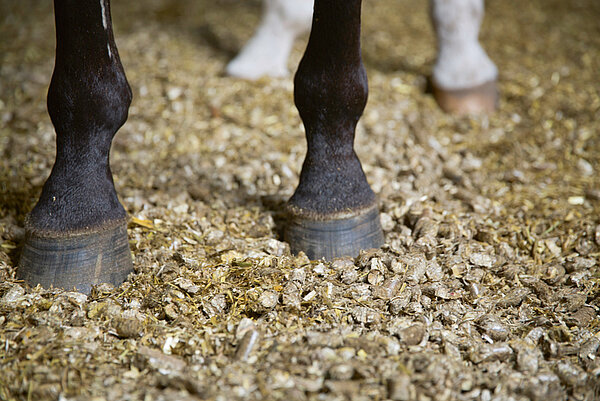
{"x": 464, "y": 77}
{"x": 77, "y": 232}
{"x": 333, "y": 211}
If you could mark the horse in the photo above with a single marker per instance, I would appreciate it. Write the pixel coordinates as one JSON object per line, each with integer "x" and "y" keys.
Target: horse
{"x": 76, "y": 235}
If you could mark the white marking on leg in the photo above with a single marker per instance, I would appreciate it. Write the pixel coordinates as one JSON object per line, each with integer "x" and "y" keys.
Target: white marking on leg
{"x": 105, "y": 25}
{"x": 104, "y": 19}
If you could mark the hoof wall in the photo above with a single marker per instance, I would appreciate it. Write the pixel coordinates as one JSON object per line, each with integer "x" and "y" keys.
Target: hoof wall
{"x": 331, "y": 239}
{"x": 481, "y": 99}
{"x": 78, "y": 261}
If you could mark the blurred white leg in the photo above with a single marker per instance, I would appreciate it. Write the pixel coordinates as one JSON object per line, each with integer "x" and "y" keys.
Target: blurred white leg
{"x": 461, "y": 62}
{"x": 464, "y": 77}
{"x": 267, "y": 52}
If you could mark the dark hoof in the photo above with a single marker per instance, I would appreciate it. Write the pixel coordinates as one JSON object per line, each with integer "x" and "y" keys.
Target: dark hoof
{"x": 331, "y": 239}
{"x": 77, "y": 261}
{"x": 481, "y": 99}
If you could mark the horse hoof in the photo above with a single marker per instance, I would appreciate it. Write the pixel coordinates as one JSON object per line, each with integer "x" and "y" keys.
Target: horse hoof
{"x": 334, "y": 238}
{"x": 76, "y": 261}
{"x": 481, "y": 99}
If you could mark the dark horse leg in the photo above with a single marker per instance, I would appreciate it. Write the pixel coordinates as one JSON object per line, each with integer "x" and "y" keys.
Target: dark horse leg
{"x": 77, "y": 232}
{"x": 333, "y": 211}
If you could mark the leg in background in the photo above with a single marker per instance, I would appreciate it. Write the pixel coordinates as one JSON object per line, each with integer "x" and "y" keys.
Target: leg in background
{"x": 464, "y": 77}
{"x": 267, "y": 52}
